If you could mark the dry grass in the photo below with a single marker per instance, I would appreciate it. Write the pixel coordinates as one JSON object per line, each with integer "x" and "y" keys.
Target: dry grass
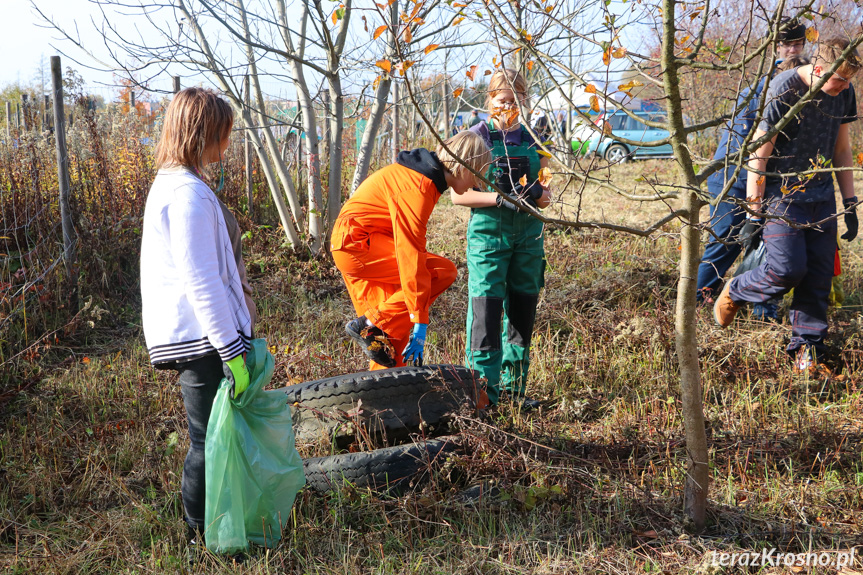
{"x": 92, "y": 453}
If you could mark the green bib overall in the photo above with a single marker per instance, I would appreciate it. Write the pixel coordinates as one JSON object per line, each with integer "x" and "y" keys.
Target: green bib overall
{"x": 506, "y": 263}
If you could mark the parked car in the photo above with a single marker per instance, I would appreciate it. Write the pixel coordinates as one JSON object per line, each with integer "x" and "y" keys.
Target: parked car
{"x": 628, "y": 128}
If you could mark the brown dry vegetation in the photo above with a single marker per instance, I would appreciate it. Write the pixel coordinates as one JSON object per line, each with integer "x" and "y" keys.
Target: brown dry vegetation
{"x": 92, "y": 451}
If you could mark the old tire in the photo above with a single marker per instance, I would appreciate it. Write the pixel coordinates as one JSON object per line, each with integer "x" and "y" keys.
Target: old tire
{"x": 383, "y": 402}
{"x": 390, "y": 469}
{"x": 616, "y": 154}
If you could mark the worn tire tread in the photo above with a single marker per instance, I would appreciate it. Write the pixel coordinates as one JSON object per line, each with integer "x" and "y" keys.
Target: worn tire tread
{"x": 397, "y": 399}
{"x": 390, "y": 469}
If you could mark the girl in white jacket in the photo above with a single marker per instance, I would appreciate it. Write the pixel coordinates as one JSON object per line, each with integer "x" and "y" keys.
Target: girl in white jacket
{"x": 196, "y": 319}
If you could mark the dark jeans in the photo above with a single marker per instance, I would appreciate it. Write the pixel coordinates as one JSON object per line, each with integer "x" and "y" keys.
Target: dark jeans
{"x": 801, "y": 259}
{"x": 199, "y": 381}
{"x": 726, "y": 221}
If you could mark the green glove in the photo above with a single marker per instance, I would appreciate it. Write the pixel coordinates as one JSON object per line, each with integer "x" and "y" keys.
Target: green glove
{"x": 237, "y": 375}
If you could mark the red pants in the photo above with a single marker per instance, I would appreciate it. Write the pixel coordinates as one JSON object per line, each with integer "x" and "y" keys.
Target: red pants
{"x": 372, "y": 276}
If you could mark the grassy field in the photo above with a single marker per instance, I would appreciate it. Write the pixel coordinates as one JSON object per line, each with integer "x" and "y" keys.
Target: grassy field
{"x": 92, "y": 453}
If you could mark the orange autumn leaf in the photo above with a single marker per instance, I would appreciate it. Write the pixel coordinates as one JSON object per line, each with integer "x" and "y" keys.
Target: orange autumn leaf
{"x": 487, "y": 73}
{"x": 619, "y": 53}
{"x": 378, "y": 31}
{"x": 594, "y": 103}
{"x": 335, "y": 17}
{"x": 760, "y": 180}
{"x": 549, "y": 8}
{"x": 590, "y": 89}
{"x": 811, "y": 35}
{"x": 403, "y": 66}
{"x": 85, "y": 360}
{"x": 384, "y": 65}
{"x": 430, "y": 48}
{"x": 860, "y": 158}
{"x": 629, "y": 85}
{"x": 606, "y": 56}
{"x": 457, "y": 92}
{"x": 544, "y": 177}
{"x": 457, "y": 21}
{"x": 470, "y": 72}
{"x": 376, "y": 83}
{"x": 523, "y": 180}
{"x": 408, "y": 36}
{"x": 529, "y": 65}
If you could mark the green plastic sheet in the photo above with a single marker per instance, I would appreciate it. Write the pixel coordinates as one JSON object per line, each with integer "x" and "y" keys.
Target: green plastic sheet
{"x": 253, "y": 470}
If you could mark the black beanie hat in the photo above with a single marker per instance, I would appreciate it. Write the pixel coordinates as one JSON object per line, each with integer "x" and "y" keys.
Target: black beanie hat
{"x": 792, "y": 32}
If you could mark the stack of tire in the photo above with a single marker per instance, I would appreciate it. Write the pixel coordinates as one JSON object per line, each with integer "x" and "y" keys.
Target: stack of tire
{"x": 392, "y": 405}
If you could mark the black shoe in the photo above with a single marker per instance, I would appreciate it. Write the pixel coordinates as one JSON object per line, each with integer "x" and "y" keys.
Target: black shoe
{"x": 528, "y": 403}
{"x": 374, "y": 342}
{"x": 194, "y": 545}
{"x": 521, "y": 401}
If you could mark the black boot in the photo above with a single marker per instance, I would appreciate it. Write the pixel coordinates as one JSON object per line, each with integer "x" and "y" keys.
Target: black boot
{"x": 373, "y": 341}
{"x": 194, "y": 544}
{"x": 521, "y": 401}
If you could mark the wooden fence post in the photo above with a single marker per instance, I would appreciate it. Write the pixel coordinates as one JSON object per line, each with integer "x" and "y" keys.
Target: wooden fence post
{"x": 69, "y": 239}
{"x": 24, "y": 112}
{"x": 247, "y": 149}
{"x": 46, "y": 118}
{"x": 176, "y": 84}
{"x": 9, "y": 123}
{"x": 131, "y": 100}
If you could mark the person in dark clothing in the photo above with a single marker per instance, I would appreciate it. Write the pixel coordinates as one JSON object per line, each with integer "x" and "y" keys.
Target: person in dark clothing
{"x": 727, "y": 217}
{"x": 800, "y": 254}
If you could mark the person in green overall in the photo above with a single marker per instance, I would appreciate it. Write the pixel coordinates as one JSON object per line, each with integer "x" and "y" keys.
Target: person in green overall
{"x": 505, "y": 252}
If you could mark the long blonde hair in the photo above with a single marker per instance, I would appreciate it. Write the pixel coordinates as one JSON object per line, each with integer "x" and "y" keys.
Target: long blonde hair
{"x": 196, "y": 119}
{"x": 507, "y": 79}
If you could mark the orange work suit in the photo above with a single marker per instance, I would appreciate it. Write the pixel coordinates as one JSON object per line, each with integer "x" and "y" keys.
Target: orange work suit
{"x": 379, "y": 245}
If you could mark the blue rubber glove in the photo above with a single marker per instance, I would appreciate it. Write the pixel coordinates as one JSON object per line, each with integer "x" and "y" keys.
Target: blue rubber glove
{"x": 414, "y": 350}
{"x": 237, "y": 375}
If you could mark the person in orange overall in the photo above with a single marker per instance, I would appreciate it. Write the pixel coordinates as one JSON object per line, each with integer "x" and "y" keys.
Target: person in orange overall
{"x": 379, "y": 245}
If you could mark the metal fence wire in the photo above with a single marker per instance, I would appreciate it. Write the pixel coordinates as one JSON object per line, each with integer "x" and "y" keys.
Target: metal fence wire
{"x": 111, "y": 167}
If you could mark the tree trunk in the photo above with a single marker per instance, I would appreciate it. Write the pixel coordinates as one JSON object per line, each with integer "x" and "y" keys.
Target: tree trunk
{"x": 686, "y": 342}
{"x": 364, "y": 156}
{"x": 336, "y": 132}
{"x": 395, "y": 134}
{"x": 313, "y": 167}
{"x": 245, "y": 113}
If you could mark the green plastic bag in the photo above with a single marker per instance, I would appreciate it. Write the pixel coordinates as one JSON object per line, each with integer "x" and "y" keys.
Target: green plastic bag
{"x": 253, "y": 470}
